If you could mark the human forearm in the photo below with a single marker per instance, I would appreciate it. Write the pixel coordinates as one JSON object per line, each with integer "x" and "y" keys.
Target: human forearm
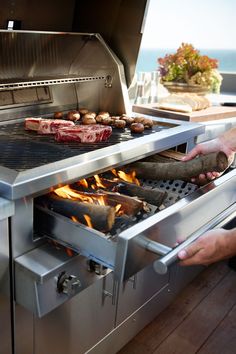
{"x": 227, "y": 140}
{"x": 211, "y": 247}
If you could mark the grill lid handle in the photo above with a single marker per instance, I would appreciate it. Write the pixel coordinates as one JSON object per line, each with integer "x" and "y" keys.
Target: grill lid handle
{"x": 161, "y": 265}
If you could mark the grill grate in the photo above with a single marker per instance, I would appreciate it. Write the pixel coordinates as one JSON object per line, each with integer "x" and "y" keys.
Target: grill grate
{"x": 176, "y": 190}
{"x": 22, "y": 150}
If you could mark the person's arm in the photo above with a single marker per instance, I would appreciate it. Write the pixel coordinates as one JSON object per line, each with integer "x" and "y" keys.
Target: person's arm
{"x": 213, "y": 246}
{"x": 225, "y": 142}
{"x": 216, "y": 244}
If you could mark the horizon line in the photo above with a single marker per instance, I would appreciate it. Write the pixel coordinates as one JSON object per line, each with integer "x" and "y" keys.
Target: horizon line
{"x": 198, "y": 48}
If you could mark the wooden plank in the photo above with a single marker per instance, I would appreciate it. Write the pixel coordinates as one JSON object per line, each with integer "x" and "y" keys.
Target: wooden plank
{"x": 203, "y": 320}
{"x": 223, "y": 339}
{"x": 208, "y": 114}
{"x": 190, "y": 297}
{"x": 176, "y": 155}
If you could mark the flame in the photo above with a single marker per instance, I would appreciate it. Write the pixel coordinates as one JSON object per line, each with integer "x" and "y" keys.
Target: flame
{"x": 83, "y": 182}
{"x": 117, "y": 209}
{"x": 128, "y": 177}
{"x": 99, "y": 182}
{"x": 88, "y": 220}
{"x": 101, "y": 200}
{"x": 68, "y": 193}
{"x": 114, "y": 172}
{"x": 98, "y": 198}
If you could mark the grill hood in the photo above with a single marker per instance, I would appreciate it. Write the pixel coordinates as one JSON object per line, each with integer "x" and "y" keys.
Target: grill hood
{"x": 119, "y": 22}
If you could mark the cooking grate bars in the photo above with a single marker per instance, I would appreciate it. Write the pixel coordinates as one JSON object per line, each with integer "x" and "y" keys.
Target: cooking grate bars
{"x": 22, "y": 150}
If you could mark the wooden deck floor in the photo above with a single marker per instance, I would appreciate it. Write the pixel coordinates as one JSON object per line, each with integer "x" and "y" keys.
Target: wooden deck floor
{"x": 202, "y": 319}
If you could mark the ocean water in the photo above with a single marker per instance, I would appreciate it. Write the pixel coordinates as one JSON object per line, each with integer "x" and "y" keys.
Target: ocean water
{"x": 147, "y": 60}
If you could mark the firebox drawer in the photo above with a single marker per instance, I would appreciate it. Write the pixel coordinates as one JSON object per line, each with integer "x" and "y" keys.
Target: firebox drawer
{"x": 148, "y": 240}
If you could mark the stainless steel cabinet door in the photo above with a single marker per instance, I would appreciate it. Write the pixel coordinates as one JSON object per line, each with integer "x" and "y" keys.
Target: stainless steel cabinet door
{"x": 78, "y": 324}
{"x": 5, "y": 316}
{"x": 137, "y": 290}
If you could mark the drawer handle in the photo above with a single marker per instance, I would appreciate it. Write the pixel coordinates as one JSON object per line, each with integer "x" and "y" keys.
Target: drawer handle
{"x": 161, "y": 265}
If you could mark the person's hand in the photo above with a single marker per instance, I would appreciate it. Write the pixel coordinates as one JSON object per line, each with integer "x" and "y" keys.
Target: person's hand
{"x": 213, "y": 246}
{"x": 215, "y": 145}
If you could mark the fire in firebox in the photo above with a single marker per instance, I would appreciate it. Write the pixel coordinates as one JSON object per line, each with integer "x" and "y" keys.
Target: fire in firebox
{"x": 104, "y": 201}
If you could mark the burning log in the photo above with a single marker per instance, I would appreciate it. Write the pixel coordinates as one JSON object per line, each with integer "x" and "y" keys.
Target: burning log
{"x": 102, "y": 216}
{"x": 128, "y": 205}
{"x": 217, "y": 162}
{"x": 152, "y": 196}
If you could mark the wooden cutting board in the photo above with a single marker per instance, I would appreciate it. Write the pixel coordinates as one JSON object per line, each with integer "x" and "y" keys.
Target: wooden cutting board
{"x": 211, "y": 113}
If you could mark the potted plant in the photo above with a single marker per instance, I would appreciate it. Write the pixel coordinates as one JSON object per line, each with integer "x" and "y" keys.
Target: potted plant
{"x": 187, "y": 70}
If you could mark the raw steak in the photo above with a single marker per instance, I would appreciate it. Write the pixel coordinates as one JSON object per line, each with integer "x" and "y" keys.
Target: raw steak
{"x": 50, "y": 126}
{"x": 84, "y": 133}
{"x": 32, "y": 123}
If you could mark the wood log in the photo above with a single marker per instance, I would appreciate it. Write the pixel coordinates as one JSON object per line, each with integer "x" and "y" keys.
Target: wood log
{"x": 102, "y": 216}
{"x": 130, "y": 205}
{"x": 217, "y": 162}
{"x": 152, "y": 196}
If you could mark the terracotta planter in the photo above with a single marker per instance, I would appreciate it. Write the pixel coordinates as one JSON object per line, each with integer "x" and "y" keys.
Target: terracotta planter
{"x": 179, "y": 87}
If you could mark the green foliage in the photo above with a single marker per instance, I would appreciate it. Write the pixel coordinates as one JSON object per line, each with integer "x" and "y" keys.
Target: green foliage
{"x": 187, "y": 65}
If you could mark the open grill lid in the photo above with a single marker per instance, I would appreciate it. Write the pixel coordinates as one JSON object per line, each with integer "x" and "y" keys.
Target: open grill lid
{"x": 52, "y": 56}
{"x": 119, "y": 22}
{"x": 35, "y": 59}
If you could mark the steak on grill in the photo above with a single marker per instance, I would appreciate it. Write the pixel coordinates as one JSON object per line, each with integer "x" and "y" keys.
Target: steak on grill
{"x": 32, "y": 123}
{"x": 50, "y": 126}
{"x": 84, "y": 133}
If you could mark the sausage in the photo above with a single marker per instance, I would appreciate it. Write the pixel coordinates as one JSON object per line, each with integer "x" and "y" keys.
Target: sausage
{"x": 119, "y": 123}
{"x": 128, "y": 120}
{"x": 83, "y": 111}
{"x": 99, "y": 118}
{"x": 137, "y": 128}
{"x": 148, "y": 123}
{"x": 73, "y": 115}
{"x": 58, "y": 115}
{"x": 139, "y": 119}
{"x": 91, "y": 114}
{"x": 104, "y": 114}
{"x": 106, "y": 120}
{"x": 88, "y": 119}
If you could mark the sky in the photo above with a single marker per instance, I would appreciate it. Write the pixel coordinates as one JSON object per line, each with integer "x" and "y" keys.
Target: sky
{"x": 204, "y": 23}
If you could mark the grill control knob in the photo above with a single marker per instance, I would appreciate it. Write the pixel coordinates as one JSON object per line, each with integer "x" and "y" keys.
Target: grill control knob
{"x": 67, "y": 284}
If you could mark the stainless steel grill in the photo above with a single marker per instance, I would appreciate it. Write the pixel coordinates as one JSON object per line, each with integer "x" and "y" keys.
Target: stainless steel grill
{"x": 82, "y": 71}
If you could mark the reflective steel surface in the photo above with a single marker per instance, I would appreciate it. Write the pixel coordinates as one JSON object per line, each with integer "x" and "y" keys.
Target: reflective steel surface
{"x": 32, "y": 163}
